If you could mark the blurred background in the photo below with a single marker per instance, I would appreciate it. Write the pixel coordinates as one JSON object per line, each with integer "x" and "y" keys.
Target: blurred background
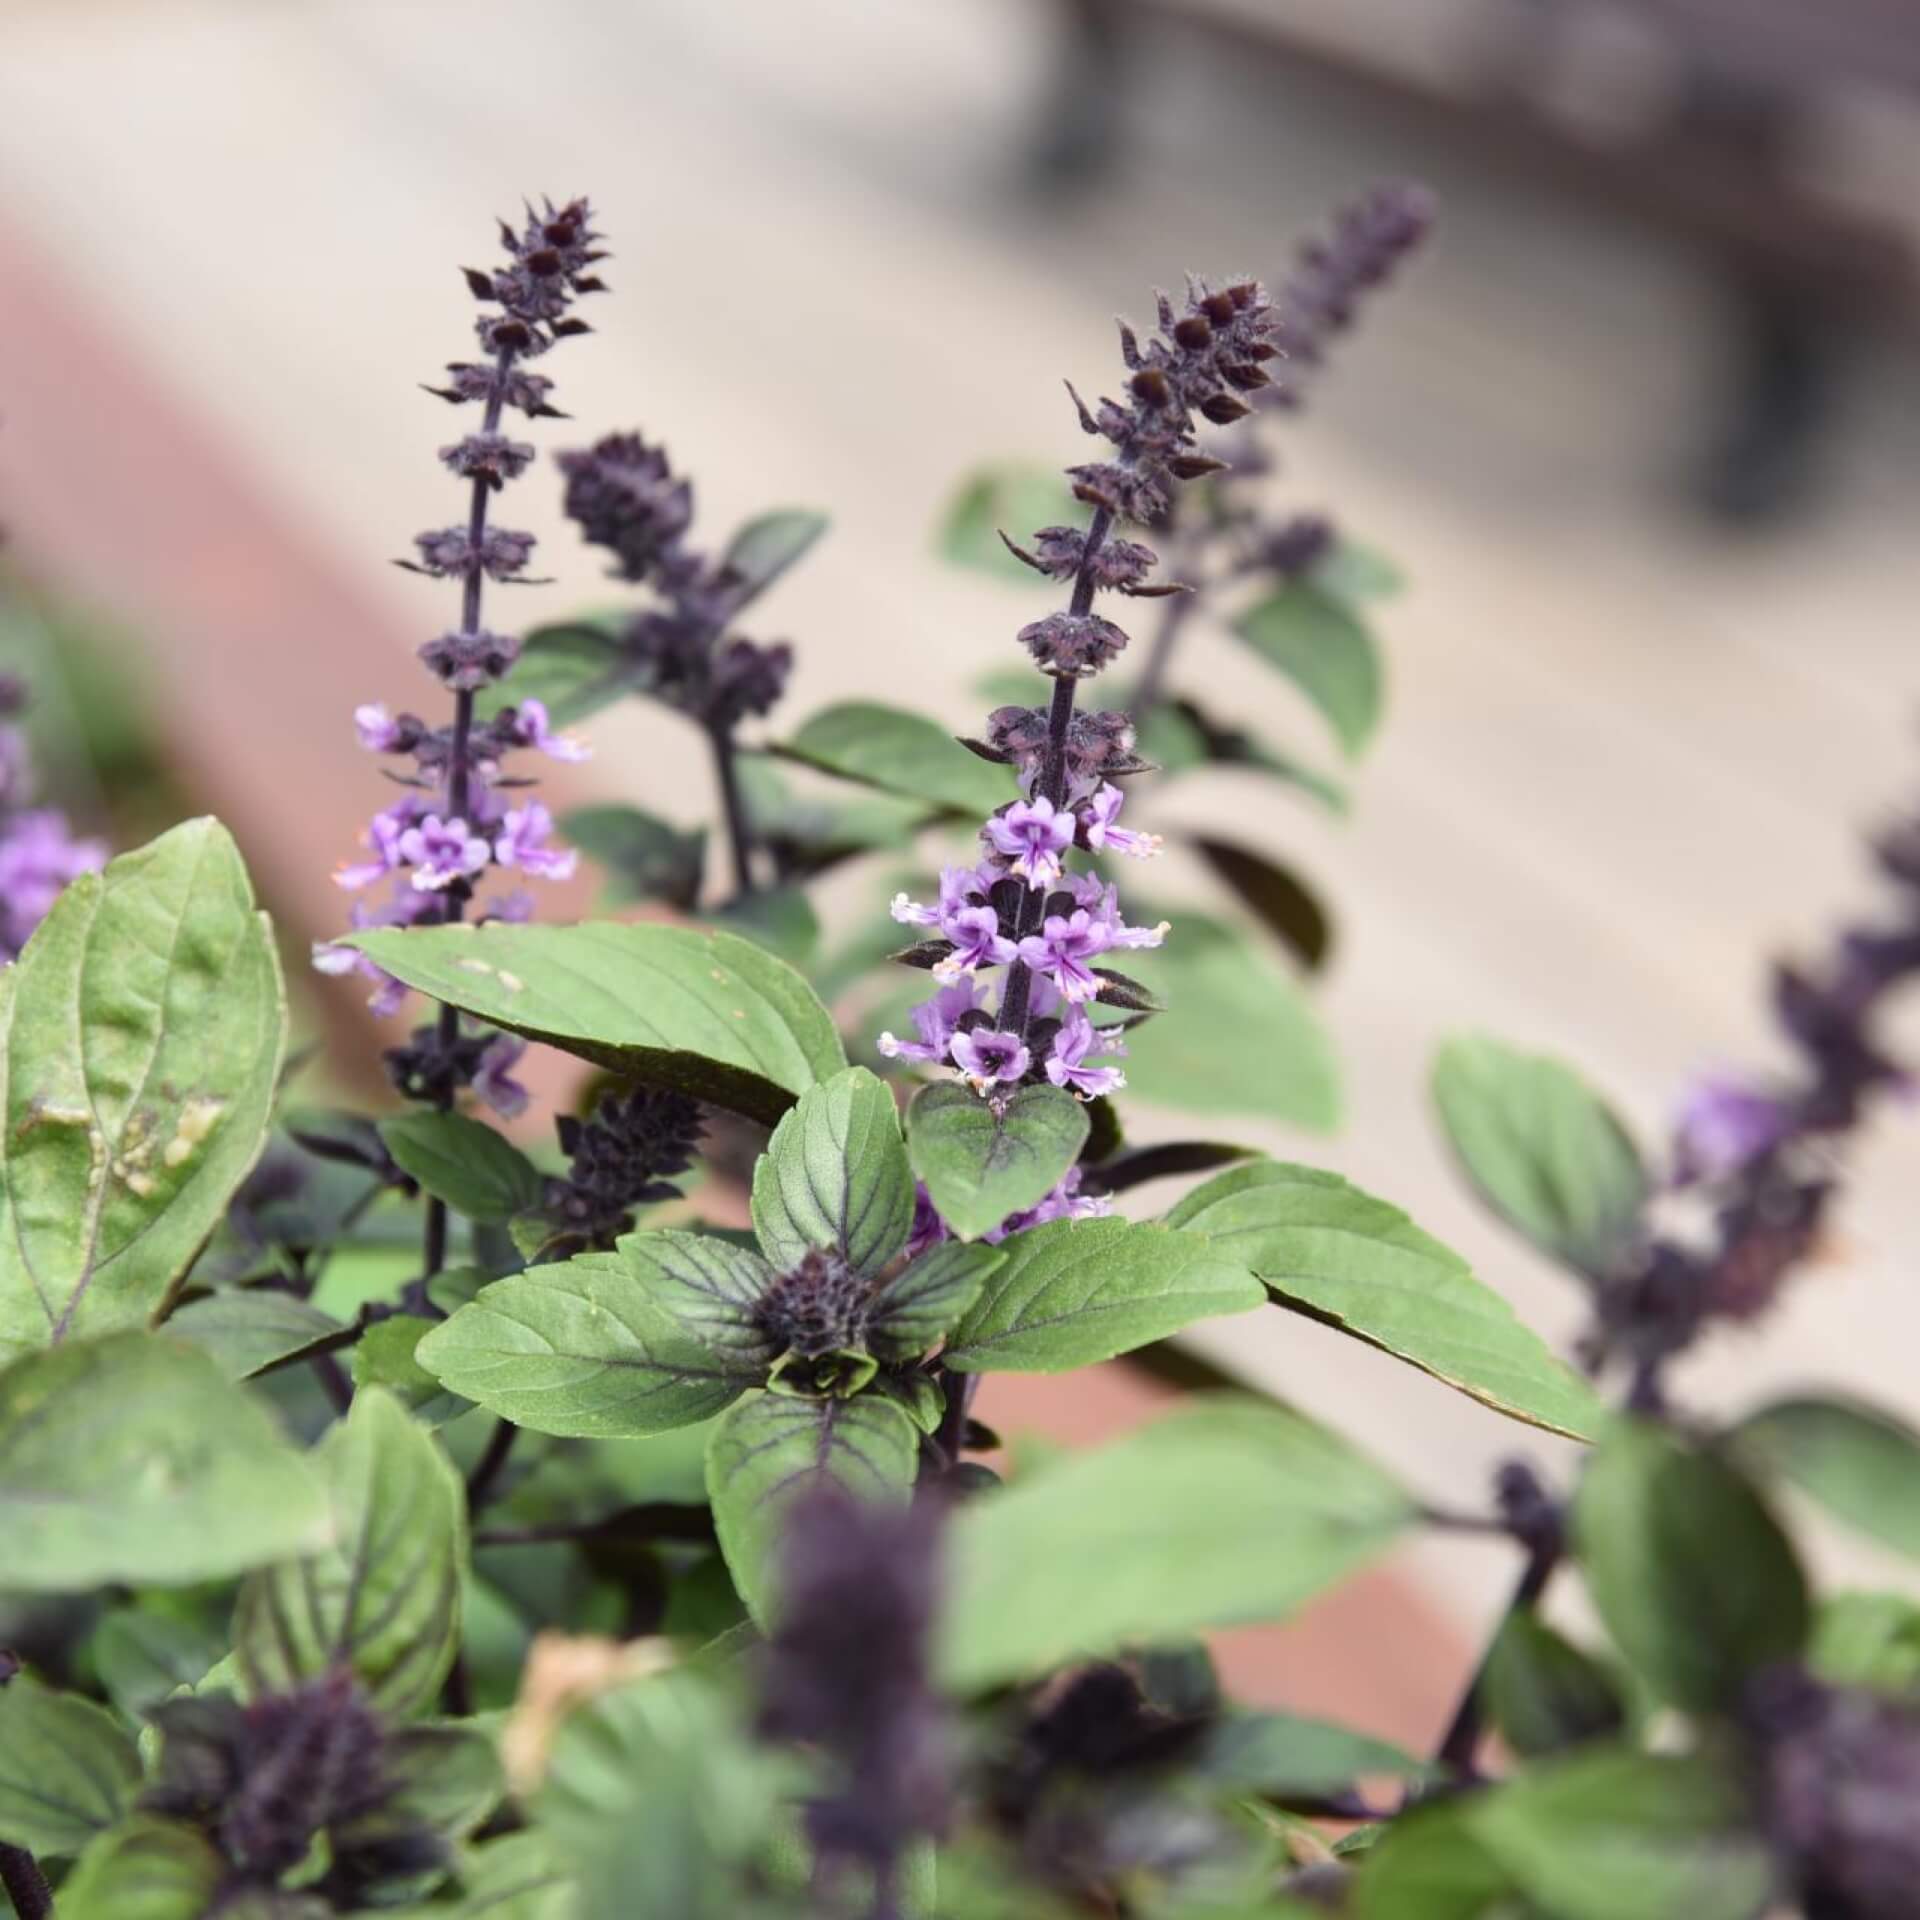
{"x": 1642, "y": 427}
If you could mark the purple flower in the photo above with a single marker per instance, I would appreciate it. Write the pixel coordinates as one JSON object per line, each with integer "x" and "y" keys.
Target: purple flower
{"x": 441, "y": 852}
{"x": 936, "y": 1021}
{"x": 1725, "y": 1124}
{"x": 1077, "y": 1038}
{"x": 388, "y": 996}
{"x": 1062, "y": 949}
{"x": 379, "y": 731}
{"x": 989, "y": 1058}
{"x": 1030, "y": 836}
{"x": 959, "y": 886}
{"x": 1103, "y": 836}
{"x": 977, "y": 941}
{"x": 1065, "y": 1202}
{"x": 493, "y": 1081}
{"x": 1107, "y": 910}
{"x": 522, "y": 844}
{"x": 928, "y": 1228}
{"x": 38, "y": 858}
{"x": 531, "y": 729}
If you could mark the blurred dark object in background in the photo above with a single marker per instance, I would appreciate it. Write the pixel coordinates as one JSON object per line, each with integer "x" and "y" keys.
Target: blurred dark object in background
{"x": 1715, "y": 119}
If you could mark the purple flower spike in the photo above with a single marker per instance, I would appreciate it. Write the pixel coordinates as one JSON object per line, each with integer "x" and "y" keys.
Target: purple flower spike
{"x": 989, "y": 1058}
{"x": 441, "y": 852}
{"x": 382, "y": 839}
{"x": 378, "y": 730}
{"x": 1104, "y": 837}
{"x": 388, "y": 994}
{"x": 1031, "y": 836}
{"x": 958, "y": 888}
{"x": 1066, "y": 1067}
{"x": 39, "y": 856}
{"x": 522, "y": 844}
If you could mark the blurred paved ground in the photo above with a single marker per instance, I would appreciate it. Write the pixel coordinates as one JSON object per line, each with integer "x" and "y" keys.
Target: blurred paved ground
{"x": 1625, "y": 760}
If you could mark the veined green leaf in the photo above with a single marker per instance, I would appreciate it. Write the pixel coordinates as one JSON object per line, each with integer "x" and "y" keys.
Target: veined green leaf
{"x": 578, "y": 1349}
{"x": 1232, "y": 1509}
{"x": 1078, "y": 1291}
{"x": 834, "y": 1177}
{"x": 248, "y": 1329}
{"x": 900, "y": 752}
{"x": 710, "y": 1286}
{"x": 645, "y": 858}
{"x": 384, "y": 1597}
{"x": 1325, "y": 649}
{"x": 773, "y": 1449}
{"x": 147, "y": 1869}
{"x": 141, "y": 1036}
{"x": 984, "y": 1160}
{"x": 1545, "y": 1151}
{"x": 67, "y": 1769}
{"x": 923, "y": 1303}
{"x": 762, "y": 550}
{"x": 134, "y": 1459}
{"x": 708, "y": 1014}
{"x": 476, "y": 1171}
{"x": 1691, "y": 1574}
{"x": 1329, "y": 1250}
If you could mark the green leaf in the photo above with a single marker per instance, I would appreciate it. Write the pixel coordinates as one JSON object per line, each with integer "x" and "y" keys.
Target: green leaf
{"x": 835, "y": 1177}
{"x": 1691, "y": 1574}
{"x": 773, "y": 1449}
{"x": 1429, "y": 1865}
{"x": 1241, "y": 1038}
{"x": 1861, "y": 1464}
{"x": 1543, "y": 1694}
{"x": 384, "y": 1596}
{"x": 67, "y": 1769}
{"x": 922, "y": 1303}
{"x": 708, "y": 1014}
{"x": 1181, "y": 735}
{"x": 1546, "y": 1152}
{"x": 1229, "y": 1510}
{"x": 249, "y": 1329}
{"x": 1284, "y": 1757}
{"x": 476, "y": 1171}
{"x": 654, "y": 1798}
{"x": 574, "y": 667}
{"x": 1624, "y": 1836}
{"x": 1017, "y": 496}
{"x": 1867, "y": 1640}
{"x": 1355, "y": 572}
{"x": 645, "y": 858}
{"x": 579, "y": 1349}
{"x": 515, "y": 1877}
{"x": 134, "y": 1459}
{"x": 781, "y": 919}
{"x": 148, "y": 1869}
{"x": 143, "y": 1656}
{"x": 1340, "y": 1256}
{"x": 762, "y": 550}
{"x": 711, "y": 1286}
{"x": 900, "y": 752}
{"x": 140, "y": 1045}
{"x": 1323, "y": 647}
{"x": 445, "y": 1777}
{"x": 1278, "y": 898}
{"x": 1078, "y": 1291}
{"x": 387, "y": 1356}
{"x": 983, "y": 1160}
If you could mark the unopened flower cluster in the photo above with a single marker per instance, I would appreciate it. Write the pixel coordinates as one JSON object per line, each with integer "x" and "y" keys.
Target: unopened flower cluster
{"x": 624, "y": 496}
{"x": 1016, "y": 940}
{"x": 462, "y": 817}
{"x": 39, "y": 852}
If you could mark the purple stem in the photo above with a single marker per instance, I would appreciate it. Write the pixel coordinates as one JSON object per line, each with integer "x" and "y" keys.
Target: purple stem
{"x": 459, "y": 785}
{"x": 1053, "y": 777}
{"x": 733, "y": 804}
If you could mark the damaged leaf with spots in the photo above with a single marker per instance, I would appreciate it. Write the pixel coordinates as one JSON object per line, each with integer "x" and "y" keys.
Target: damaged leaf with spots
{"x": 141, "y": 1038}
